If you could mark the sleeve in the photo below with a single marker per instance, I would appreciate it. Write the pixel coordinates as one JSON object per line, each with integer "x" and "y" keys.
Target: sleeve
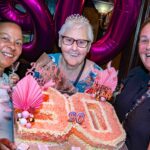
{"x": 97, "y": 67}
{"x": 55, "y": 57}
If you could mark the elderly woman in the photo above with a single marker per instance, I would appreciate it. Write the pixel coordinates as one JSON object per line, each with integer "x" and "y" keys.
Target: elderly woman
{"x": 75, "y": 39}
{"x": 10, "y": 49}
{"x": 133, "y": 103}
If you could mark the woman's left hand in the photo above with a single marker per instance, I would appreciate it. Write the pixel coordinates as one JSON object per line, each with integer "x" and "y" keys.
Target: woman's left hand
{"x": 148, "y": 147}
{"x": 5, "y": 144}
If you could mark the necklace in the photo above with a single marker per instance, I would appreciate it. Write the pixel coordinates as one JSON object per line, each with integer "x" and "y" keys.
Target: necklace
{"x": 137, "y": 104}
{"x": 80, "y": 73}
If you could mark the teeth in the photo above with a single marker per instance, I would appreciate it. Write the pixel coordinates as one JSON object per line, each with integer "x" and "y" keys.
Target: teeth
{"x": 74, "y": 54}
{"x": 7, "y": 54}
{"x": 148, "y": 55}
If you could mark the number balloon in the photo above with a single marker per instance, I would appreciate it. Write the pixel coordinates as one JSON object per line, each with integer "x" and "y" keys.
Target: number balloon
{"x": 123, "y": 21}
{"x": 9, "y": 12}
{"x": 42, "y": 22}
{"x": 66, "y": 8}
{"x": 38, "y": 17}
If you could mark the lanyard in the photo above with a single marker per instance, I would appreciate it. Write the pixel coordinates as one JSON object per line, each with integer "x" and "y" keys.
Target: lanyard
{"x": 80, "y": 73}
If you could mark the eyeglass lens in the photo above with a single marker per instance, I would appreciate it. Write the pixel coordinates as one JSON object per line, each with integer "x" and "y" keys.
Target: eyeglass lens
{"x": 80, "y": 42}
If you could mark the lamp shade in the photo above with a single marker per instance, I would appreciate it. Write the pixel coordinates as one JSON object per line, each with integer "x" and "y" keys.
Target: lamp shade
{"x": 103, "y": 7}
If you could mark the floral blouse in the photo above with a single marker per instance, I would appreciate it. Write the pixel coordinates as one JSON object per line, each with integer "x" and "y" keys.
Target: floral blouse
{"x": 6, "y": 117}
{"x": 82, "y": 85}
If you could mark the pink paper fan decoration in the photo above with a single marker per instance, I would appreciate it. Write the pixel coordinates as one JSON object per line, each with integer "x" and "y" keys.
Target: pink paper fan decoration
{"x": 104, "y": 84}
{"x": 27, "y": 94}
{"x": 107, "y": 77}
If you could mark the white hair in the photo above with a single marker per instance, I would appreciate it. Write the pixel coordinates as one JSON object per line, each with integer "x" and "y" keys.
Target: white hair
{"x": 77, "y": 20}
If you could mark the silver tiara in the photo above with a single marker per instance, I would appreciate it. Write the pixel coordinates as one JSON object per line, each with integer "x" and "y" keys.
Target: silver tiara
{"x": 77, "y": 18}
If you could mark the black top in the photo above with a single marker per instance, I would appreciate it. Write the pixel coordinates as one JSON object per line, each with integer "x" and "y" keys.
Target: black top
{"x": 137, "y": 124}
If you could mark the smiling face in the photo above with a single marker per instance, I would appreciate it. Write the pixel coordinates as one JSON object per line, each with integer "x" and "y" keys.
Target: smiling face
{"x": 144, "y": 46}
{"x": 10, "y": 44}
{"x": 73, "y": 54}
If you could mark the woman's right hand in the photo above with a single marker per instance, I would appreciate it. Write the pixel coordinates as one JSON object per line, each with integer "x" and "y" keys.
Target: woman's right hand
{"x": 43, "y": 61}
{"x": 5, "y": 144}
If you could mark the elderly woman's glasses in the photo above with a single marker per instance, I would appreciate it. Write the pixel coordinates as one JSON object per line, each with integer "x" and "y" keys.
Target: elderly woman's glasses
{"x": 69, "y": 41}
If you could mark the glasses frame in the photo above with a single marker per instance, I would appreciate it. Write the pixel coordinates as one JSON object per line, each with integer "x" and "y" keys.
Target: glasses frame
{"x": 74, "y": 40}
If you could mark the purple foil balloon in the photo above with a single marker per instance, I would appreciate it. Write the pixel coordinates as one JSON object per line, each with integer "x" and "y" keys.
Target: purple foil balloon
{"x": 123, "y": 21}
{"x": 9, "y": 12}
{"x": 43, "y": 38}
{"x": 65, "y": 8}
{"x": 37, "y": 16}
